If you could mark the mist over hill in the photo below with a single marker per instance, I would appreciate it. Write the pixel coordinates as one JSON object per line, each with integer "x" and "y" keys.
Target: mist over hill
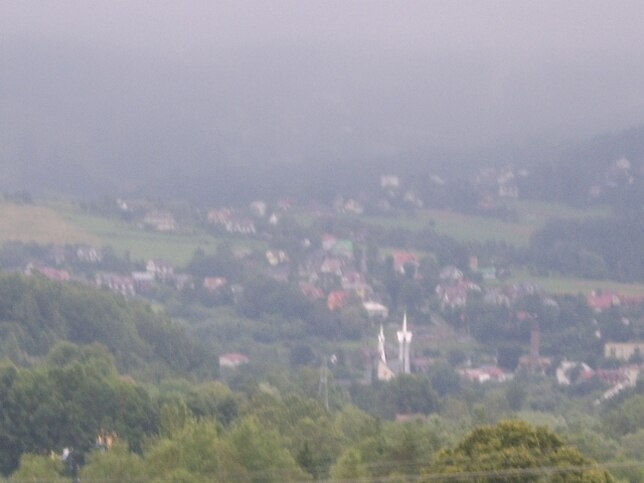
{"x": 230, "y": 101}
{"x": 125, "y": 125}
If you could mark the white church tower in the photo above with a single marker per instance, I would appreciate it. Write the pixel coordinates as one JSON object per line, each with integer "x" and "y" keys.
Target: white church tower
{"x": 385, "y": 372}
{"x": 381, "y": 345}
{"x": 404, "y": 341}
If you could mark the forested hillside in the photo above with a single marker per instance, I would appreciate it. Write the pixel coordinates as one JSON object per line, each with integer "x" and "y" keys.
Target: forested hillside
{"x": 599, "y": 248}
{"x": 67, "y": 408}
{"x": 36, "y": 313}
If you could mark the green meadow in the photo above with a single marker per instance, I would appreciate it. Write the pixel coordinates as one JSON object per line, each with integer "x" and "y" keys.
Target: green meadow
{"x": 62, "y": 222}
{"x": 559, "y": 284}
{"x": 530, "y": 216}
{"x": 143, "y": 244}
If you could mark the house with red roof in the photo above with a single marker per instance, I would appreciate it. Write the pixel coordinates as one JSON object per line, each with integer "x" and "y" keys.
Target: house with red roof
{"x": 213, "y": 284}
{"x": 233, "y": 359}
{"x": 53, "y": 273}
{"x": 328, "y": 241}
{"x": 403, "y": 260}
{"x": 485, "y": 374}
{"x": 311, "y": 291}
{"x": 160, "y": 220}
{"x": 601, "y": 300}
{"x": 337, "y": 299}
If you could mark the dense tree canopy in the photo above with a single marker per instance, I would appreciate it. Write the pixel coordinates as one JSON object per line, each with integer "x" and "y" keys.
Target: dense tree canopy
{"x": 595, "y": 248}
{"x": 36, "y": 313}
{"x": 515, "y": 451}
{"x": 67, "y": 403}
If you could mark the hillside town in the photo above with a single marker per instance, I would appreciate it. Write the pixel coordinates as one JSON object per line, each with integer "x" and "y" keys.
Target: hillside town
{"x": 356, "y": 274}
{"x": 335, "y": 241}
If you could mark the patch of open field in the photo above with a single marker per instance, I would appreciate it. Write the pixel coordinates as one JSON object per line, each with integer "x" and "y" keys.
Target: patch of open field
{"x": 571, "y": 285}
{"x": 478, "y": 228}
{"x": 420, "y": 254}
{"x": 460, "y": 226}
{"x": 141, "y": 244}
{"x": 537, "y": 213}
{"x": 531, "y": 215}
{"x": 40, "y": 224}
{"x": 457, "y": 225}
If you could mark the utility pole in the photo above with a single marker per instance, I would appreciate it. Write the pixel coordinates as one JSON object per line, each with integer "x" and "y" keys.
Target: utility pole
{"x": 323, "y": 387}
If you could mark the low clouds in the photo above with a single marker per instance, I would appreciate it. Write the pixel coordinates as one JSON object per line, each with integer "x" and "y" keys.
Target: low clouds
{"x": 192, "y": 82}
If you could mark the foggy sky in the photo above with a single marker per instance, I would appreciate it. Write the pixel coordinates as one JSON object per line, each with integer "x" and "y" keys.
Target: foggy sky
{"x": 178, "y": 82}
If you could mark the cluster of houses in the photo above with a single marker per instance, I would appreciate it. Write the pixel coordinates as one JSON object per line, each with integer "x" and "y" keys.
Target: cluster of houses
{"x": 160, "y": 221}
{"x": 619, "y": 172}
{"x": 392, "y": 194}
{"x": 454, "y": 289}
{"x": 57, "y": 256}
{"x": 244, "y": 222}
{"x": 231, "y": 222}
{"x": 567, "y": 373}
{"x": 148, "y": 215}
{"x": 83, "y": 264}
{"x": 333, "y": 274}
{"x": 228, "y": 220}
{"x": 599, "y": 300}
{"x": 497, "y": 183}
{"x": 618, "y": 378}
{"x": 141, "y": 282}
{"x": 393, "y": 190}
{"x": 492, "y": 183}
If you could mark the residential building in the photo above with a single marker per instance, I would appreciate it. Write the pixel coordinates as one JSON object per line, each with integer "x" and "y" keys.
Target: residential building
{"x": 160, "y": 220}
{"x": 233, "y": 359}
{"x": 623, "y": 350}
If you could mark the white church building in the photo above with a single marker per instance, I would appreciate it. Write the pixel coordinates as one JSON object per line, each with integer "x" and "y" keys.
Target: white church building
{"x": 388, "y": 370}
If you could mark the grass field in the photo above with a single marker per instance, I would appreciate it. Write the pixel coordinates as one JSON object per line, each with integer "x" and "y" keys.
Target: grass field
{"x": 531, "y": 215}
{"x": 536, "y": 213}
{"x": 142, "y": 244}
{"x": 420, "y": 254}
{"x": 62, "y": 223}
{"x": 457, "y": 225}
{"x": 41, "y": 224}
{"x": 177, "y": 248}
{"x": 570, "y": 285}
{"x": 478, "y": 228}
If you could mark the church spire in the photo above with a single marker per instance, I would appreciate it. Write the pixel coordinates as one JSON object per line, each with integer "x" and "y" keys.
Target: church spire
{"x": 404, "y": 341}
{"x": 381, "y": 345}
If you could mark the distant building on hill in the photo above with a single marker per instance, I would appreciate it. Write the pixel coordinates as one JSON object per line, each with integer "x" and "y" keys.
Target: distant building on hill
{"x": 375, "y": 309}
{"x": 117, "y": 283}
{"x": 623, "y": 350}
{"x": 404, "y": 261}
{"x": 389, "y": 182}
{"x": 233, "y": 359}
{"x": 485, "y": 374}
{"x": 214, "y": 284}
{"x": 601, "y": 300}
{"x": 89, "y": 254}
{"x": 49, "y": 272}
{"x": 160, "y": 220}
{"x": 161, "y": 269}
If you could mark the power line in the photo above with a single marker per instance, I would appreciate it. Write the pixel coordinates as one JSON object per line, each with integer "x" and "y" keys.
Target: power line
{"x": 413, "y": 477}
{"x": 323, "y": 387}
{"x": 508, "y": 472}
